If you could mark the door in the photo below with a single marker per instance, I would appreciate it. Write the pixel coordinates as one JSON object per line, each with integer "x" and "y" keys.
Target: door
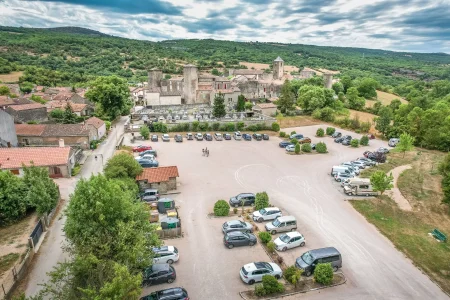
{"x": 257, "y": 275}
{"x": 294, "y": 242}
{"x": 161, "y": 277}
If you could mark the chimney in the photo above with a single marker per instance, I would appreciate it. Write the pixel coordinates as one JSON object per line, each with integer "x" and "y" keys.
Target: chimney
{"x": 61, "y": 143}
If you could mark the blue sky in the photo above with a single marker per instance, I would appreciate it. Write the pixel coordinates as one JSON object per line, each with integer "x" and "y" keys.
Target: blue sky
{"x": 402, "y": 25}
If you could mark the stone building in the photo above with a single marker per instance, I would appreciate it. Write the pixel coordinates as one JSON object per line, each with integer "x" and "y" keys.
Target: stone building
{"x": 163, "y": 178}
{"x": 6, "y": 101}
{"x": 267, "y": 109}
{"x": 8, "y": 136}
{"x": 80, "y": 109}
{"x": 28, "y": 112}
{"x": 99, "y": 125}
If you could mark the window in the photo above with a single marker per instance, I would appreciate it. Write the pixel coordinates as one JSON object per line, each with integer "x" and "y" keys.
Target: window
{"x": 15, "y": 172}
{"x": 363, "y": 186}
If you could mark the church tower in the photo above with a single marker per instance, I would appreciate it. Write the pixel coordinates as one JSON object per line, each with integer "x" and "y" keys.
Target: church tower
{"x": 278, "y": 68}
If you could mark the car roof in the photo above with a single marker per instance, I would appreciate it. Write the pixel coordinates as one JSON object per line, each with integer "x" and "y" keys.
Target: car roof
{"x": 293, "y": 234}
{"x": 163, "y": 248}
{"x": 286, "y": 218}
{"x": 260, "y": 265}
{"x": 234, "y": 222}
{"x": 235, "y": 233}
{"x": 150, "y": 190}
{"x": 245, "y": 194}
{"x": 271, "y": 208}
{"x": 324, "y": 252}
{"x": 160, "y": 267}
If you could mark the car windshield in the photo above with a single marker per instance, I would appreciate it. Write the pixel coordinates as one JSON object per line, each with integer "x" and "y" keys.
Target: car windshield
{"x": 242, "y": 223}
{"x": 262, "y": 211}
{"x": 276, "y": 223}
{"x": 244, "y": 271}
{"x": 307, "y": 258}
{"x": 285, "y": 238}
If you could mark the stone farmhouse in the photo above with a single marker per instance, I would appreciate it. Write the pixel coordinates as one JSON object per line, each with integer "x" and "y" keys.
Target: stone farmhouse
{"x": 28, "y": 112}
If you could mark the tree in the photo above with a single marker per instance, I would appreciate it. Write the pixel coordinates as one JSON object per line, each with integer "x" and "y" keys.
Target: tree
{"x": 215, "y": 72}
{"x": 338, "y": 87}
{"x": 323, "y": 273}
{"x": 261, "y": 200}
{"x": 311, "y": 98}
{"x": 275, "y": 127}
{"x": 383, "y": 122}
{"x": 122, "y": 165}
{"x": 320, "y": 132}
{"x": 111, "y": 93}
{"x": 354, "y": 101}
{"x": 444, "y": 170}
{"x": 321, "y": 147}
{"x": 13, "y": 202}
{"x": 4, "y": 90}
{"x": 354, "y": 143}
{"x": 286, "y": 100}
{"x": 240, "y": 103}
{"x": 248, "y": 105}
{"x": 406, "y": 143}
{"x": 381, "y": 182}
{"x": 293, "y": 275}
{"x": 219, "y": 106}
{"x": 346, "y": 82}
{"x": 26, "y": 87}
{"x": 69, "y": 117}
{"x": 57, "y": 115}
{"x": 306, "y": 147}
{"x": 145, "y": 132}
{"x": 367, "y": 88}
{"x": 330, "y": 130}
{"x": 221, "y": 208}
{"x": 297, "y": 148}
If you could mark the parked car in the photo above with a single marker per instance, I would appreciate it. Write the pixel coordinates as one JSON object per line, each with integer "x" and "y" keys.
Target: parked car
{"x": 282, "y": 224}
{"x": 359, "y": 164}
{"x": 345, "y": 182}
{"x": 343, "y": 138}
{"x": 237, "y": 225}
{"x": 189, "y": 136}
{"x": 366, "y": 161}
{"x": 141, "y": 148}
{"x": 257, "y": 137}
{"x": 246, "y": 198}
{"x": 154, "y": 138}
{"x": 227, "y": 136}
{"x": 152, "y": 152}
{"x": 313, "y": 146}
{"x": 165, "y": 137}
{"x": 265, "y": 137}
{"x": 177, "y": 293}
{"x": 342, "y": 176}
{"x": 158, "y": 273}
{"x": 254, "y": 272}
{"x": 218, "y": 136}
{"x": 336, "y": 134}
{"x": 353, "y": 168}
{"x": 346, "y": 142}
{"x": 145, "y": 163}
{"x": 145, "y": 157}
{"x": 393, "y": 142}
{"x": 149, "y": 195}
{"x": 165, "y": 255}
{"x": 284, "y": 144}
{"x": 371, "y": 136}
{"x": 296, "y": 136}
{"x": 247, "y": 137}
{"x": 305, "y": 140}
{"x": 178, "y": 138}
{"x": 308, "y": 260}
{"x": 366, "y": 154}
{"x": 383, "y": 150}
{"x": 199, "y": 136}
{"x": 238, "y": 238}
{"x": 237, "y": 136}
{"x": 265, "y": 214}
{"x": 207, "y": 137}
{"x": 378, "y": 157}
{"x": 289, "y": 240}
{"x": 290, "y": 148}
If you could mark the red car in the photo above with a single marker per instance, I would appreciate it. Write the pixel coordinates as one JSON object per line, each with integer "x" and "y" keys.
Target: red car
{"x": 142, "y": 148}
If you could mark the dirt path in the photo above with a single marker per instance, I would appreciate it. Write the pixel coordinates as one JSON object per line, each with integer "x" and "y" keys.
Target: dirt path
{"x": 395, "y": 193}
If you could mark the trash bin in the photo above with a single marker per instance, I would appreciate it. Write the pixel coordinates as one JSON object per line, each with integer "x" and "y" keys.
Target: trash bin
{"x": 169, "y": 223}
{"x": 165, "y": 204}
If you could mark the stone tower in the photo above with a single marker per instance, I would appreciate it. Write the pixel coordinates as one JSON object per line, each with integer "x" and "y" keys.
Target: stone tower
{"x": 328, "y": 78}
{"x": 190, "y": 84}
{"x": 278, "y": 68}
{"x": 154, "y": 78}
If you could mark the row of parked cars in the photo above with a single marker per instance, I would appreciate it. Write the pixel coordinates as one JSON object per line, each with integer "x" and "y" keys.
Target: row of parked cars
{"x": 290, "y": 147}
{"x": 209, "y": 137}
{"x": 146, "y": 156}
{"x": 240, "y": 233}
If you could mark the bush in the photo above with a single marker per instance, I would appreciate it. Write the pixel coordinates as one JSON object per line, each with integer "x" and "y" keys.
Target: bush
{"x": 320, "y": 132}
{"x": 271, "y": 247}
{"x": 282, "y": 134}
{"x": 107, "y": 124}
{"x": 326, "y": 114}
{"x": 323, "y": 274}
{"x": 195, "y": 125}
{"x": 265, "y": 237}
{"x": 145, "y": 132}
{"x": 203, "y": 126}
{"x": 261, "y": 200}
{"x": 260, "y": 291}
{"x": 293, "y": 132}
{"x": 365, "y": 127}
{"x": 275, "y": 127}
{"x": 231, "y": 126}
{"x": 354, "y": 143}
{"x": 294, "y": 141}
{"x": 364, "y": 141}
{"x": 76, "y": 169}
{"x": 330, "y": 130}
{"x": 321, "y": 148}
{"x": 306, "y": 148}
{"x": 235, "y": 210}
{"x": 292, "y": 275}
{"x": 297, "y": 148}
{"x": 240, "y": 126}
{"x": 221, "y": 208}
{"x": 271, "y": 285}
{"x": 215, "y": 126}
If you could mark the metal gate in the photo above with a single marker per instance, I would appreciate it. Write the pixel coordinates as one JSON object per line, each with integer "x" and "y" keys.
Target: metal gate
{"x": 37, "y": 232}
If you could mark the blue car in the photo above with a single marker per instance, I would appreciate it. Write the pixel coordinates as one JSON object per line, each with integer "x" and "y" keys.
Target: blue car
{"x": 284, "y": 144}
{"x": 247, "y": 137}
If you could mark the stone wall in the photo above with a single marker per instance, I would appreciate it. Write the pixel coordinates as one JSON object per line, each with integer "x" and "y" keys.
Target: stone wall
{"x": 162, "y": 187}
{"x": 8, "y": 135}
{"x": 82, "y": 141}
{"x": 257, "y": 90}
{"x": 190, "y": 84}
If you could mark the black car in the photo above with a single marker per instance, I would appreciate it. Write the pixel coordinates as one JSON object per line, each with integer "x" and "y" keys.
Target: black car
{"x": 265, "y": 137}
{"x": 346, "y": 142}
{"x": 154, "y": 138}
{"x": 227, "y": 136}
{"x": 178, "y": 138}
{"x": 238, "y": 238}
{"x": 336, "y": 134}
{"x": 257, "y": 136}
{"x": 207, "y": 137}
{"x": 177, "y": 293}
{"x": 284, "y": 144}
{"x": 158, "y": 273}
{"x": 377, "y": 156}
{"x": 247, "y": 137}
{"x": 246, "y": 198}
{"x": 342, "y": 138}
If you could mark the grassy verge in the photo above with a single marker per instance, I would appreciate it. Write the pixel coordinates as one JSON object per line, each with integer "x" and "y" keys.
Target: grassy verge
{"x": 7, "y": 261}
{"x": 393, "y": 160}
{"x": 297, "y": 121}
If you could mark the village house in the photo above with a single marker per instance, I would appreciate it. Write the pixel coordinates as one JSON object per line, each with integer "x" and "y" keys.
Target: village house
{"x": 99, "y": 125}
{"x": 8, "y": 136}
{"x": 24, "y": 113}
{"x": 267, "y": 109}
{"x": 79, "y": 109}
{"x": 6, "y": 101}
{"x": 163, "y": 178}
{"x": 58, "y": 160}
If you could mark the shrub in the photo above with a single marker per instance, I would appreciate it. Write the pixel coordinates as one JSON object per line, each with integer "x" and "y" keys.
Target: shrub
{"x": 323, "y": 274}
{"x": 294, "y": 141}
{"x": 321, "y": 147}
{"x": 271, "y": 247}
{"x": 292, "y": 275}
{"x": 231, "y": 126}
{"x": 145, "y": 132}
{"x": 306, "y": 148}
{"x": 265, "y": 237}
{"x": 195, "y": 125}
{"x": 364, "y": 141}
{"x": 203, "y": 126}
{"x": 186, "y": 126}
{"x": 240, "y": 126}
{"x": 326, "y": 114}
{"x": 261, "y": 200}
{"x": 297, "y": 148}
{"x": 271, "y": 285}
{"x": 248, "y": 105}
{"x": 282, "y": 134}
{"x": 355, "y": 123}
{"x": 293, "y": 132}
{"x": 260, "y": 290}
{"x": 235, "y": 210}
{"x": 221, "y": 208}
{"x": 330, "y": 130}
{"x": 275, "y": 127}
{"x": 316, "y": 114}
{"x": 354, "y": 143}
{"x": 365, "y": 127}
{"x": 215, "y": 126}
{"x": 320, "y": 132}
{"x": 108, "y": 125}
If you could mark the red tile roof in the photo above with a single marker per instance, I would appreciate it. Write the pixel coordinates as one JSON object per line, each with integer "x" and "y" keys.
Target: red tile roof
{"x": 61, "y": 104}
{"x": 13, "y": 158}
{"x": 30, "y": 129}
{"x": 26, "y": 106}
{"x": 161, "y": 174}
{"x": 95, "y": 121}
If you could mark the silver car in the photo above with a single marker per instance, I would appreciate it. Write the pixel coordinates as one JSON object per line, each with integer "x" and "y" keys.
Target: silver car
{"x": 237, "y": 225}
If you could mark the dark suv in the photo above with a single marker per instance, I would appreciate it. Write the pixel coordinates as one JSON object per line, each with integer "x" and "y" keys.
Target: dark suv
{"x": 158, "y": 273}
{"x": 246, "y": 198}
{"x": 177, "y": 293}
{"x": 257, "y": 136}
{"x": 207, "y": 137}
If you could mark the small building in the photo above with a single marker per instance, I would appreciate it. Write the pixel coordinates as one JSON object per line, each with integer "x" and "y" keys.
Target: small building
{"x": 24, "y": 113}
{"x": 58, "y": 160}
{"x": 6, "y": 101}
{"x": 99, "y": 125}
{"x": 267, "y": 109}
{"x": 80, "y": 109}
{"x": 163, "y": 178}
{"x": 8, "y": 136}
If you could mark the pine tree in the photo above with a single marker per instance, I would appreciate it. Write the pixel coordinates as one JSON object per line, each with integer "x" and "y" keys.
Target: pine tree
{"x": 69, "y": 117}
{"x": 241, "y": 103}
{"x": 219, "y": 106}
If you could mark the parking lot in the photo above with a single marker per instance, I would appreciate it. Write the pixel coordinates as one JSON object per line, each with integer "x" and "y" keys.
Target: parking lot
{"x": 300, "y": 185}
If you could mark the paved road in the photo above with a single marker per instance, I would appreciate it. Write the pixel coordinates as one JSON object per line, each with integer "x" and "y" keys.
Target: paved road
{"x": 300, "y": 185}
{"x": 51, "y": 251}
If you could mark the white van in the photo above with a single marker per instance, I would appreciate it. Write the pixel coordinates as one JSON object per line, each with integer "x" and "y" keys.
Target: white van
{"x": 340, "y": 169}
{"x": 282, "y": 224}
{"x": 237, "y": 135}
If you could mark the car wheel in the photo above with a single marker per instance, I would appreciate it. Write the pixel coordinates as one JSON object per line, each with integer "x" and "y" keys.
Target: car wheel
{"x": 260, "y": 220}
{"x": 230, "y": 246}
{"x": 277, "y": 276}
{"x": 170, "y": 280}
{"x": 273, "y": 232}
{"x": 251, "y": 282}
{"x": 308, "y": 273}
{"x": 339, "y": 180}
{"x": 284, "y": 249}
{"x": 302, "y": 244}
{"x": 251, "y": 243}
{"x": 335, "y": 269}
{"x": 170, "y": 261}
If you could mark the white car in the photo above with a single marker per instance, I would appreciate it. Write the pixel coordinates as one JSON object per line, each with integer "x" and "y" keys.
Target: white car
{"x": 254, "y": 272}
{"x": 289, "y": 240}
{"x": 237, "y": 136}
{"x": 342, "y": 176}
{"x": 165, "y": 137}
{"x": 268, "y": 213}
{"x": 290, "y": 148}
{"x": 165, "y": 255}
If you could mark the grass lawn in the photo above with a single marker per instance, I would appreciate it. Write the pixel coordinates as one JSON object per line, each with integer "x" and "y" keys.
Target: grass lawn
{"x": 11, "y": 77}
{"x": 7, "y": 261}
{"x": 393, "y": 160}
{"x": 297, "y": 121}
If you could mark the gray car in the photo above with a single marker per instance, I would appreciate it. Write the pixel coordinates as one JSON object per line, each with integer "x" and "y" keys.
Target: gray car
{"x": 237, "y": 238}
{"x": 237, "y": 225}
{"x": 308, "y": 261}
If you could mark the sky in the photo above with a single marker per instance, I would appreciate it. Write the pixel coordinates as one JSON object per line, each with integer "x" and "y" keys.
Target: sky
{"x": 399, "y": 25}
